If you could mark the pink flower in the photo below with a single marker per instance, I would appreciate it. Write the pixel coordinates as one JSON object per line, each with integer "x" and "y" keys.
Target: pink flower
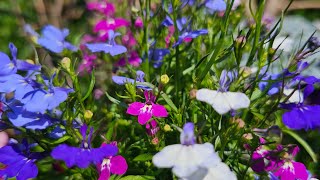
{"x": 138, "y": 23}
{"x": 110, "y": 24}
{"x": 152, "y": 128}
{"x": 146, "y": 110}
{"x": 87, "y": 63}
{"x": 134, "y": 60}
{"x": 113, "y": 164}
{"x": 102, "y": 7}
{"x": 292, "y": 170}
{"x": 128, "y": 40}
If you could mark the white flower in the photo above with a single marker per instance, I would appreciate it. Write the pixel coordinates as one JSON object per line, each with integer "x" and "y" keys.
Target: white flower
{"x": 223, "y": 102}
{"x": 184, "y": 159}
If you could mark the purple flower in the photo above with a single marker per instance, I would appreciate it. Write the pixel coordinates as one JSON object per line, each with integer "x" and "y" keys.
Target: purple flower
{"x": 112, "y": 164}
{"x": 157, "y": 56}
{"x": 41, "y": 100}
{"x": 53, "y": 39}
{"x": 271, "y": 83}
{"x": 188, "y": 35}
{"x": 112, "y": 48}
{"x": 19, "y": 162}
{"x": 146, "y": 110}
{"x": 85, "y": 154}
{"x": 301, "y": 116}
{"x": 9, "y": 67}
{"x": 121, "y": 80}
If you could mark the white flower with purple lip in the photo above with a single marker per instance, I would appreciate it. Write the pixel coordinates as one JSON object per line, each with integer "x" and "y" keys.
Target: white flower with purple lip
{"x": 222, "y": 100}
{"x": 189, "y": 160}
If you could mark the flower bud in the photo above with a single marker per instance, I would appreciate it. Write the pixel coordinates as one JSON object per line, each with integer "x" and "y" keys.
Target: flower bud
{"x": 88, "y": 115}
{"x": 164, "y": 79}
{"x": 241, "y": 40}
{"x": 30, "y": 61}
{"x": 155, "y": 141}
{"x": 193, "y": 93}
{"x": 245, "y": 71}
{"x": 167, "y": 128}
{"x": 66, "y": 63}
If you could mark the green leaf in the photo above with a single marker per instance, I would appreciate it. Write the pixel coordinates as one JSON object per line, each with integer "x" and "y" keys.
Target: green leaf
{"x": 58, "y": 141}
{"x": 169, "y": 101}
{"x": 143, "y": 157}
{"x": 131, "y": 177}
{"x": 91, "y": 86}
{"x": 305, "y": 145}
{"x": 116, "y": 101}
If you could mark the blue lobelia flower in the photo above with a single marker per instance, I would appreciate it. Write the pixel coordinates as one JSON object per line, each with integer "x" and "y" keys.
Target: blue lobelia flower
{"x": 53, "y": 39}
{"x": 121, "y": 80}
{"x": 111, "y": 47}
{"x": 157, "y": 56}
{"x": 41, "y": 100}
{"x": 19, "y": 161}
{"x": 9, "y": 67}
{"x": 85, "y": 154}
{"x": 215, "y": 5}
{"x": 300, "y": 115}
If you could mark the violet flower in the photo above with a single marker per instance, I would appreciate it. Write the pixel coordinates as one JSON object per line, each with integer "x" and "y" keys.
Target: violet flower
{"x": 300, "y": 115}
{"x": 85, "y": 154}
{"x": 112, "y": 164}
{"x": 146, "y": 110}
{"x": 53, "y": 39}
{"x": 19, "y": 161}
{"x": 121, "y": 80}
{"x": 133, "y": 59}
{"x": 11, "y": 66}
{"x": 111, "y": 47}
{"x": 157, "y": 56}
{"x": 41, "y": 100}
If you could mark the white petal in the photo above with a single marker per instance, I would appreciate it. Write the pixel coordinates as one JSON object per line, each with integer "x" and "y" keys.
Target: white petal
{"x": 166, "y": 158}
{"x": 237, "y": 100}
{"x": 297, "y": 96}
{"x": 220, "y": 172}
{"x": 206, "y": 95}
{"x": 215, "y": 99}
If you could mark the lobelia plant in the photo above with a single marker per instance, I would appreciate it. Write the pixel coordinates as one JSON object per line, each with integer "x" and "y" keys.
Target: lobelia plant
{"x": 112, "y": 108}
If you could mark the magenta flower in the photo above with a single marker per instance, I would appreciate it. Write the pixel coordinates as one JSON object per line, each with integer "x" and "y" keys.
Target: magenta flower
{"x": 112, "y": 164}
{"x": 146, "y": 110}
{"x": 110, "y": 24}
{"x": 128, "y": 40}
{"x": 87, "y": 63}
{"x": 133, "y": 59}
{"x": 152, "y": 128}
{"x": 291, "y": 170}
{"x": 102, "y": 7}
{"x": 138, "y": 23}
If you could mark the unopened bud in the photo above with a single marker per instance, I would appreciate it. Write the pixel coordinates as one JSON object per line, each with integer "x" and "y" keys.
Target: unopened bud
{"x": 193, "y": 93}
{"x": 167, "y": 128}
{"x": 66, "y": 63}
{"x": 30, "y": 61}
{"x": 245, "y": 71}
{"x": 88, "y": 115}
{"x": 241, "y": 40}
{"x": 247, "y": 136}
{"x": 164, "y": 79}
{"x": 155, "y": 141}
